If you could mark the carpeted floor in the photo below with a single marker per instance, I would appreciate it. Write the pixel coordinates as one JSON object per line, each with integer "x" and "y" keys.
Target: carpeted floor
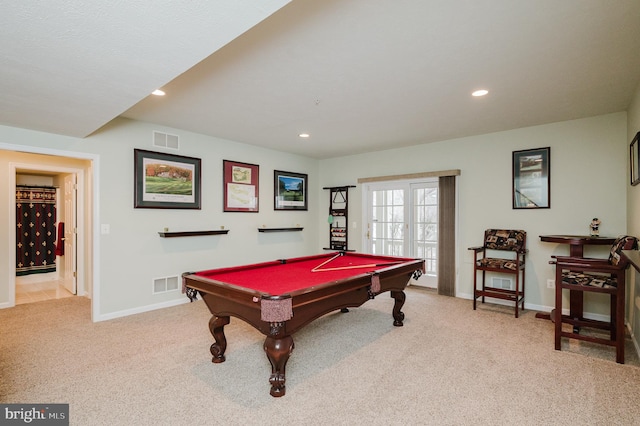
{"x": 448, "y": 365}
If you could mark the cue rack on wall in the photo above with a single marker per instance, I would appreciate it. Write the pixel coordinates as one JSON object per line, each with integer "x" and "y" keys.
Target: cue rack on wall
{"x": 338, "y": 217}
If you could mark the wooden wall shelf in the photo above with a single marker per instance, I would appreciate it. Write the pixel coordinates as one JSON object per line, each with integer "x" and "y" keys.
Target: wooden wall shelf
{"x": 279, "y": 229}
{"x": 192, "y": 233}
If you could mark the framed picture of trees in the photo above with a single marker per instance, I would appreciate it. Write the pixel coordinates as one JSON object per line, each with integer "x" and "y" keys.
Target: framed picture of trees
{"x": 290, "y": 190}
{"x": 166, "y": 181}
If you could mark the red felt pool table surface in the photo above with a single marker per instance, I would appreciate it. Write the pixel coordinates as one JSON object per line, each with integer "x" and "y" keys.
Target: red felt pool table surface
{"x": 290, "y": 275}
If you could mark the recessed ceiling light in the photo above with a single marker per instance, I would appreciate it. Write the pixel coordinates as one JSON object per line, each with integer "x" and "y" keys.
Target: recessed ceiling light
{"x": 304, "y": 135}
{"x": 158, "y": 92}
{"x": 481, "y": 92}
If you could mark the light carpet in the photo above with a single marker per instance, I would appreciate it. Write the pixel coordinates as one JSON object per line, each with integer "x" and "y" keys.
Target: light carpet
{"x": 448, "y": 365}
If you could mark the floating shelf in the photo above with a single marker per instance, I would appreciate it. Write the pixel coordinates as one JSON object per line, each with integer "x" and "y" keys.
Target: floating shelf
{"x": 279, "y": 229}
{"x": 191, "y": 233}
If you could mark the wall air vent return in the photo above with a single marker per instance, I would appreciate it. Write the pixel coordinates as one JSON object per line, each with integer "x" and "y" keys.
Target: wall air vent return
{"x": 165, "y": 284}
{"x": 504, "y": 283}
{"x": 166, "y": 140}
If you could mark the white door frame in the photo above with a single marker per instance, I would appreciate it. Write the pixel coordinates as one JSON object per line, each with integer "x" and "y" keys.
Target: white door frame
{"x": 80, "y": 222}
{"x": 90, "y": 236}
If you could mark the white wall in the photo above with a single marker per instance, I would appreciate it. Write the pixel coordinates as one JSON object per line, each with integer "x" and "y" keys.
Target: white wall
{"x": 133, "y": 254}
{"x": 633, "y": 222}
{"x": 588, "y": 177}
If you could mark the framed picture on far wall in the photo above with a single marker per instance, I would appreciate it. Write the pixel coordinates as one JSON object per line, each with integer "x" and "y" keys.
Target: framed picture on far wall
{"x": 634, "y": 159}
{"x": 166, "y": 181}
{"x": 240, "y": 186}
{"x": 290, "y": 190}
{"x": 531, "y": 182}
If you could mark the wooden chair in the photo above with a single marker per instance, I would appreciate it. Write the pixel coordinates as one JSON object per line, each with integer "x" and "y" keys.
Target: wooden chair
{"x": 605, "y": 276}
{"x": 508, "y": 248}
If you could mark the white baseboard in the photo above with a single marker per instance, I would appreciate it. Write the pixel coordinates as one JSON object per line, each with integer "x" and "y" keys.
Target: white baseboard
{"x": 141, "y": 309}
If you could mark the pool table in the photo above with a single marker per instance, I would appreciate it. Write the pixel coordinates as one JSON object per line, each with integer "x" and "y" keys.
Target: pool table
{"x": 280, "y": 297}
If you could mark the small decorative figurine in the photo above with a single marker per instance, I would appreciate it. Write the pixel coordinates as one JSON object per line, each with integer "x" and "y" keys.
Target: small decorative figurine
{"x": 595, "y": 227}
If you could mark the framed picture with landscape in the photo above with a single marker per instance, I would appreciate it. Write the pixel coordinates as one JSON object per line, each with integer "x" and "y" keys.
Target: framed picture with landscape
{"x": 290, "y": 190}
{"x": 166, "y": 181}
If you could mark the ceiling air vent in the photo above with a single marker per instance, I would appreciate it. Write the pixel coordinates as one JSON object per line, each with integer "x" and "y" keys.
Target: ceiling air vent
{"x": 166, "y": 140}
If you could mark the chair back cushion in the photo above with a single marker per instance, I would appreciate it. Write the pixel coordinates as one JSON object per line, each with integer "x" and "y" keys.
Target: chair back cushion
{"x": 625, "y": 242}
{"x": 505, "y": 239}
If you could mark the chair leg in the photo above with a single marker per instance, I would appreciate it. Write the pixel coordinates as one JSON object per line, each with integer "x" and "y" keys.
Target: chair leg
{"x": 475, "y": 276}
{"x": 613, "y": 324}
{"x": 517, "y": 292}
{"x": 483, "y": 289}
{"x": 558, "y": 316}
{"x": 619, "y": 315}
{"x": 522, "y": 290}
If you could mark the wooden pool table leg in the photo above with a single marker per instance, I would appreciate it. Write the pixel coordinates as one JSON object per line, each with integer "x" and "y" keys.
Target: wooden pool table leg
{"x": 216, "y": 325}
{"x": 278, "y": 351}
{"x": 398, "y": 315}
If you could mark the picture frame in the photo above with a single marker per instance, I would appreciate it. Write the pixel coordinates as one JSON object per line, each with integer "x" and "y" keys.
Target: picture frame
{"x": 240, "y": 186}
{"x": 531, "y": 179}
{"x": 290, "y": 190}
{"x": 166, "y": 181}
{"x": 634, "y": 160}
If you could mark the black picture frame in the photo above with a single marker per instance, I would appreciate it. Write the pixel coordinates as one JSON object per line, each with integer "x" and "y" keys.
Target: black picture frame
{"x": 166, "y": 181}
{"x": 532, "y": 179}
{"x": 290, "y": 190}
{"x": 240, "y": 187}
{"x": 634, "y": 160}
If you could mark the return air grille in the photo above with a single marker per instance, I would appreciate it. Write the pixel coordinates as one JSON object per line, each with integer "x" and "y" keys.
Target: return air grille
{"x": 504, "y": 283}
{"x": 166, "y": 140}
{"x": 165, "y": 284}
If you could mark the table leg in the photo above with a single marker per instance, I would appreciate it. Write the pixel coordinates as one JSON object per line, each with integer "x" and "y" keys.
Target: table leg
{"x": 278, "y": 351}
{"x": 398, "y": 315}
{"x": 576, "y": 301}
{"x": 216, "y": 325}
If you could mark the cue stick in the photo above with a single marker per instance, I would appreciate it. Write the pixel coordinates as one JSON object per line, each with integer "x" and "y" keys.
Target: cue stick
{"x": 325, "y": 262}
{"x": 340, "y": 268}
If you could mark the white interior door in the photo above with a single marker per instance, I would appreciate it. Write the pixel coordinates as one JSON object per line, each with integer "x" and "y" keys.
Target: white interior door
{"x": 70, "y": 217}
{"x": 402, "y": 220}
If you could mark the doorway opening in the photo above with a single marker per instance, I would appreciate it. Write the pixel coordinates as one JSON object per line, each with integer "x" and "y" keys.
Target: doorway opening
{"x": 51, "y": 244}
{"x": 26, "y": 159}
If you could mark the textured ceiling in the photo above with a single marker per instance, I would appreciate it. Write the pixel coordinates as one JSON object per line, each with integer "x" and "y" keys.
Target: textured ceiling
{"x": 71, "y": 66}
{"x": 358, "y": 75}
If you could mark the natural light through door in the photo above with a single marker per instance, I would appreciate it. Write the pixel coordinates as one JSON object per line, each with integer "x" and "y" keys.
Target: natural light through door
{"x": 402, "y": 220}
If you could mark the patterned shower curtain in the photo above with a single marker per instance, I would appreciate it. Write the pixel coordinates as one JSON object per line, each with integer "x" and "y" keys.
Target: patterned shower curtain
{"x": 36, "y": 230}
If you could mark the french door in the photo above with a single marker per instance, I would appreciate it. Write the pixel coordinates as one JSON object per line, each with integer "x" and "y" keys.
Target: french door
{"x": 402, "y": 220}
